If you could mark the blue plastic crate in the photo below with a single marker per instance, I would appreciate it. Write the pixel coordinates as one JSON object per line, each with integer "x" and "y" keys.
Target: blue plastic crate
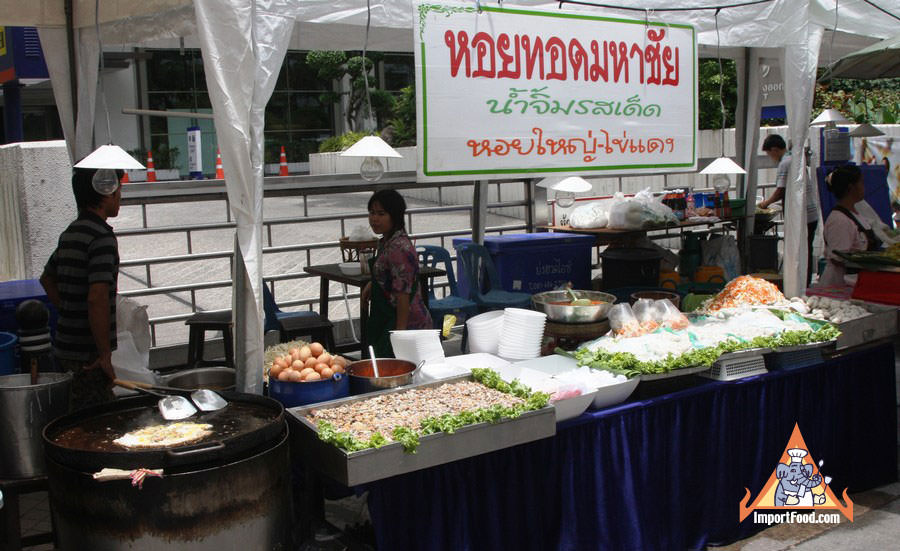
{"x": 535, "y": 262}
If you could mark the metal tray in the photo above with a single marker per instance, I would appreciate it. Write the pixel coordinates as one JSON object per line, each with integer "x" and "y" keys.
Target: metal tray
{"x": 698, "y": 369}
{"x": 351, "y": 469}
{"x": 880, "y": 324}
{"x": 807, "y": 346}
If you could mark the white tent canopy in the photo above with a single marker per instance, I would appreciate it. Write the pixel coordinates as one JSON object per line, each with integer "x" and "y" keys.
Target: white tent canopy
{"x": 243, "y": 43}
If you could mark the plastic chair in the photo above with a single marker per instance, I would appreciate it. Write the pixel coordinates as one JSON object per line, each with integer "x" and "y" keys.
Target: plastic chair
{"x": 431, "y": 255}
{"x": 295, "y": 324}
{"x": 475, "y": 260}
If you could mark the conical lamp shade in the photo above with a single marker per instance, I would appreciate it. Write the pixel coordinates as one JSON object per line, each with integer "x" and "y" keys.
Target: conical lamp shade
{"x": 371, "y": 146}
{"x": 865, "y": 130}
{"x": 828, "y": 116}
{"x": 110, "y": 156}
{"x": 572, "y": 184}
{"x": 723, "y": 165}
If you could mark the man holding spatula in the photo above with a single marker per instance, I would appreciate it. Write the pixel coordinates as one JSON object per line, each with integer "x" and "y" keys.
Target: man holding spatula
{"x": 80, "y": 280}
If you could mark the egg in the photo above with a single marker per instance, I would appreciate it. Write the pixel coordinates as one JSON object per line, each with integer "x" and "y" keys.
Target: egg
{"x": 311, "y": 362}
{"x": 305, "y": 352}
{"x": 320, "y": 366}
{"x": 316, "y": 349}
{"x": 313, "y": 377}
{"x": 306, "y": 371}
{"x": 325, "y": 358}
{"x": 297, "y": 365}
{"x": 280, "y": 363}
{"x": 295, "y": 355}
{"x": 295, "y": 377}
{"x": 275, "y": 371}
{"x": 338, "y": 360}
{"x": 293, "y": 350}
{"x": 285, "y": 375}
{"x": 337, "y": 368}
{"x": 326, "y": 373}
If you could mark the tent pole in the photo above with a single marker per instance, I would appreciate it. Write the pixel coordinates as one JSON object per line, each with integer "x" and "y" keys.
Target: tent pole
{"x": 73, "y": 69}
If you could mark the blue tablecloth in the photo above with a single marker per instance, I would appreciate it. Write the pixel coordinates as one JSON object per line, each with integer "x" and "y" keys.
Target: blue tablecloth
{"x": 662, "y": 473}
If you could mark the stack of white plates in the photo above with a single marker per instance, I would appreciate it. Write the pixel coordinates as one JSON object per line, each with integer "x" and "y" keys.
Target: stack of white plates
{"x": 484, "y": 331}
{"x": 522, "y": 334}
{"x": 415, "y": 345}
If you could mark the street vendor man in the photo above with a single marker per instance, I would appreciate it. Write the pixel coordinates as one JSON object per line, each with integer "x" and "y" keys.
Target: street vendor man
{"x": 776, "y": 149}
{"x": 80, "y": 279}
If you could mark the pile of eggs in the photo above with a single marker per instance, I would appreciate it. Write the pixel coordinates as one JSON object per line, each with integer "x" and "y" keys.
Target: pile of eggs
{"x": 306, "y": 364}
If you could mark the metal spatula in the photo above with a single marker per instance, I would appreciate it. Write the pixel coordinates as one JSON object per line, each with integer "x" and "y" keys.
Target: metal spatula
{"x": 172, "y": 408}
{"x": 207, "y": 400}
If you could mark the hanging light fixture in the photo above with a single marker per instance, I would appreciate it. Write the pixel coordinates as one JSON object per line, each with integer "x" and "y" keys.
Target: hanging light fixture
{"x": 566, "y": 189}
{"x": 110, "y": 157}
{"x": 722, "y": 165}
{"x": 829, "y": 118}
{"x": 371, "y": 148}
{"x": 865, "y": 130}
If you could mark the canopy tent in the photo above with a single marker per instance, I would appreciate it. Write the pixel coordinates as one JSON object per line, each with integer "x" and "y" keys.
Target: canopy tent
{"x": 243, "y": 43}
{"x": 880, "y": 60}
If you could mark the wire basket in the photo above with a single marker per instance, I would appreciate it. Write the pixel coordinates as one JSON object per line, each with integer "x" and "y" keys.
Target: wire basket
{"x": 738, "y": 365}
{"x": 351, "y": 250}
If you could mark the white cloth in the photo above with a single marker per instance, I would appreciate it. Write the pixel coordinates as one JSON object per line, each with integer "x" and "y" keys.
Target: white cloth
{"x": 841, "y": 234}
{"x": 882, "y": 230}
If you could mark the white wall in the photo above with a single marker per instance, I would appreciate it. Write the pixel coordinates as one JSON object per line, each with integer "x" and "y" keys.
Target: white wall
{"x": 36, "y": 206}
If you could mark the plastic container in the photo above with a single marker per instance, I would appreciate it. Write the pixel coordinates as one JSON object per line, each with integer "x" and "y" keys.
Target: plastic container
{"x": 738, "y": 207}
{"x": 630, "y": 267}
{"x": 9, "y": 362}
{"x": 299, "y": 394}
{"x": 14, "y": 292}
{"x": 535, "y": 262}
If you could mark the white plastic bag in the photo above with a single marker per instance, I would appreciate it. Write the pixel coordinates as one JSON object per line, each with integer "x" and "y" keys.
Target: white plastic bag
{"x": 130, "y": 364}
{"x": 132, "y": 317}
{"x": 591, "y": 215}
{"x": 723, "y": 252}
{"x": 640, "y": 212}
{"x": 622, "y": 321}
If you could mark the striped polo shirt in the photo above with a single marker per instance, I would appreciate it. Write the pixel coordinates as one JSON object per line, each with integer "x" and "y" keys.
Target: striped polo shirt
{"x": 87, "y": 253}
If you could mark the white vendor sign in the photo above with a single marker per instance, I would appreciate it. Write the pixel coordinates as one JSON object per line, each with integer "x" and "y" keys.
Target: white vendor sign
{"x": 505, "y": 92}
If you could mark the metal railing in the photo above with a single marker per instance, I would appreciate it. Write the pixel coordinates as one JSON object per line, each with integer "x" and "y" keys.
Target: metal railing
{"x": 305, "y": 187}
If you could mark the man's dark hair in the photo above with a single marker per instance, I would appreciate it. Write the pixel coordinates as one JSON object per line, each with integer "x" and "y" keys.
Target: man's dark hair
{"x": 82, "y": 186}
{"x": 842, "y": 179}
{"x": 772, "y": 141}
{"x": 393, "y": 203}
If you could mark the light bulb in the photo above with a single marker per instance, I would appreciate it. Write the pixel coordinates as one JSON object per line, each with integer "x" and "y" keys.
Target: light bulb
{"x": 371, "y": 169}
{"x": 565, "y": 199}
{"x": 721, "y": 183}
{"x": 105, "y": 181}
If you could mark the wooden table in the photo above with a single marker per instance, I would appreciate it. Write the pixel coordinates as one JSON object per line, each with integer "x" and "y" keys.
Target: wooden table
{"x": 332, "y": 272}
{"x": 605, "y": 236}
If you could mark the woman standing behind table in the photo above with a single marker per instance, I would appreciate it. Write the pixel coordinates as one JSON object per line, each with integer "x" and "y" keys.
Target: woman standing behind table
{"x": 394, "y": 296}
{"x": 845, "y": 229}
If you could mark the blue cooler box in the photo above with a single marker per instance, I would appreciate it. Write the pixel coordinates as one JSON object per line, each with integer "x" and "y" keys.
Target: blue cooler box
{"x": 14, "y": 292}
{"x": 535, "y": 262}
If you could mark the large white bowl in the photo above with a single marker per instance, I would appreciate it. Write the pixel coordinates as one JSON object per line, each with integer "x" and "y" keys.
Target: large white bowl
{"x": 614, "y": 394}
{"x": 574, "y": 406}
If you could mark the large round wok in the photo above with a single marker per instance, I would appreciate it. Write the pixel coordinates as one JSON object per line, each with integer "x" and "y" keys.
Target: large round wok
{"x": 84, "y": 439}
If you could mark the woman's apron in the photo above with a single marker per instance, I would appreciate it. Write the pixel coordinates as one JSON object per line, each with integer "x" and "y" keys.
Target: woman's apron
{"x": 382, "y": 316}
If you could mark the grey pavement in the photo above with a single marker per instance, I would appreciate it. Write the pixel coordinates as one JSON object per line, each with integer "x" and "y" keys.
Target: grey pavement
{"x": 209, "y": 212}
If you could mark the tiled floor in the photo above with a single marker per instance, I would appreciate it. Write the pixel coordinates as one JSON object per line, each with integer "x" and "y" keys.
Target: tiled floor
{"x": 34, "y": 517}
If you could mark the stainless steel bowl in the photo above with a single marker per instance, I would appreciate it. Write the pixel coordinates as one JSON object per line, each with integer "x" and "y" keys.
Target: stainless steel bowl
{"x": 393, "y": 373}
{"x": 213, "y": 378}
{"x": 566, "y": 313}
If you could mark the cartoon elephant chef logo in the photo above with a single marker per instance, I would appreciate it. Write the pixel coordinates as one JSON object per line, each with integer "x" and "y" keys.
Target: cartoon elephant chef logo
{"x": 797, "y": 482}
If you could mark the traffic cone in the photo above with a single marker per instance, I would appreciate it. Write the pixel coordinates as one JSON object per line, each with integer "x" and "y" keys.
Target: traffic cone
{"x": 151, "y": 170}
{"x": 220, "y": 172}
{"x": 124, "y": 179}
{"x": 282, "y": 169}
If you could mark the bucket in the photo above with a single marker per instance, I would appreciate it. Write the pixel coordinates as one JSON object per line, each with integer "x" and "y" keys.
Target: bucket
{"x": 630, "y": 267}
{"x": 26, "y": 409}
{"x": 8, "y": 362}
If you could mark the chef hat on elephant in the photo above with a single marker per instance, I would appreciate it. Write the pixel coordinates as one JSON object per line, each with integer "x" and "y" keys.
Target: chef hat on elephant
{"x": 797, "y": 454}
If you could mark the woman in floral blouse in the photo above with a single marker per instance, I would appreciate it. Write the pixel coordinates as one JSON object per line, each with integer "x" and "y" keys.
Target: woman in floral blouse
{"x": 394, "y": 294}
